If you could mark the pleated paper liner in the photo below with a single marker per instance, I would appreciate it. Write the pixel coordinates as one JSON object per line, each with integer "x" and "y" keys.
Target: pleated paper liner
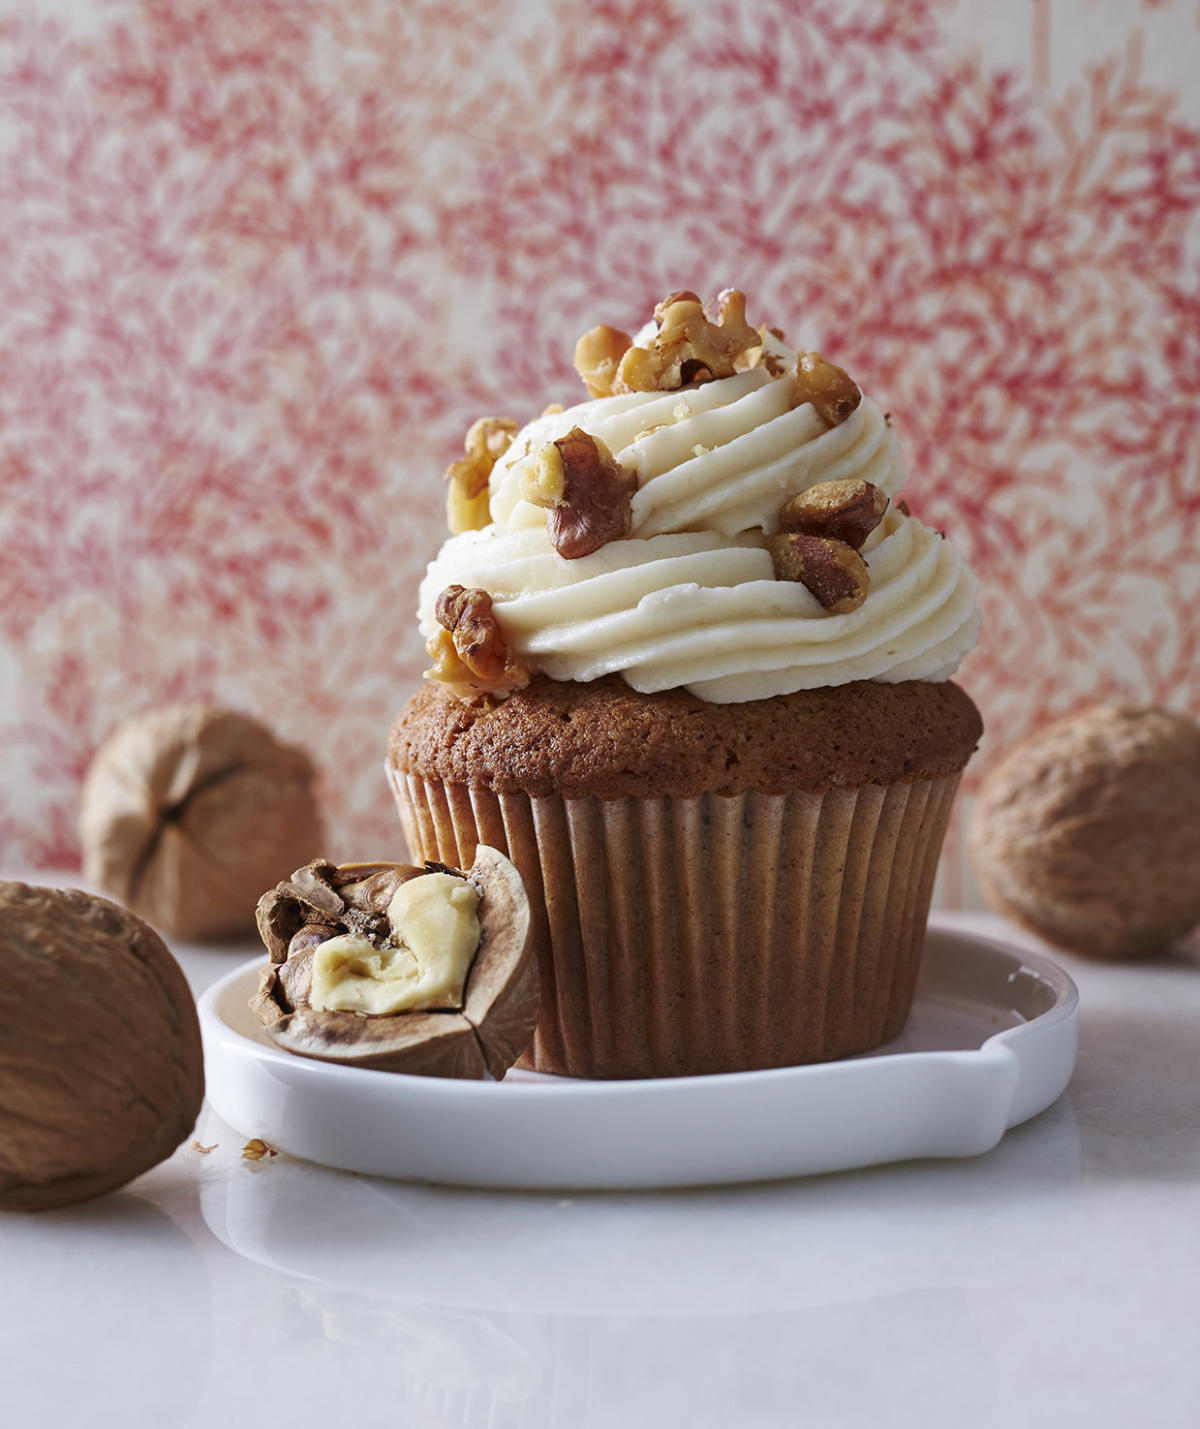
{"x": 712, "y": 934}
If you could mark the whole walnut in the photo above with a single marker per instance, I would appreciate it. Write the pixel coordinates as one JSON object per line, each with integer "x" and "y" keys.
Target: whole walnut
{"x": 101, "y": 1072}
{"x": 1089, "y": 833}
{"x": 188, "y": 812}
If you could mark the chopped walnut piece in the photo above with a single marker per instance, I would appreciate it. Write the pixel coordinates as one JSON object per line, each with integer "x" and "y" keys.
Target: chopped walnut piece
{"x": 597, "y": 355}
{"x": 544, "y": 483}
{"x": 832, "y": 392}
{"x": 731, "y": 319}
{"x": 842, "y": 510}
{"x": 689, "y": 347}
{"x": 256, "y": 1149}
{"x": 834, "y": 573}
{"x": 469, "y": 651}
{"x": 684, "y": 295}
{"x": 587, "y": 492}
{"x": 467, "y": 499}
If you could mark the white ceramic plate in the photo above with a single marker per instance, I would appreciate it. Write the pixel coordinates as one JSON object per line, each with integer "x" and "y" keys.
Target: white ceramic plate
{"x": 991, "y": 1042}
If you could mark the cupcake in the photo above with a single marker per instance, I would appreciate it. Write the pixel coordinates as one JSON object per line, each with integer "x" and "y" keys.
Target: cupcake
{"x": 691, "y": 660}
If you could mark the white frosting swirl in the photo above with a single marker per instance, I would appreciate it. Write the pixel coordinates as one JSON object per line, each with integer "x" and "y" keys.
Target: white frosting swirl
{"x": 690, "y": 599}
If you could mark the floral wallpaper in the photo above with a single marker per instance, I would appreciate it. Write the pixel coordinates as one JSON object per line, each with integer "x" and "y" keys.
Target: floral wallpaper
{"x": 261, "y": 266}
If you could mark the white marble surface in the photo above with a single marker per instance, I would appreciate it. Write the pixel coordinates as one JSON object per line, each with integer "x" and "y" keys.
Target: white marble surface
{"x": 1053, "y": 1281}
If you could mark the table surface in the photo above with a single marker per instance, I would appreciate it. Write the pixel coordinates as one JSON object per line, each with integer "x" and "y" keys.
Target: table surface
{"x": 1053, "y": 1281}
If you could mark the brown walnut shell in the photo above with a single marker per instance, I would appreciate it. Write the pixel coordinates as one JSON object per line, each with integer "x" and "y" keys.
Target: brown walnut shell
{"x": 1088, "y": 833}
{"x": 500, "y": 1001}
{"x": 101, "y": 1071}
{"x": 188, "y": 812}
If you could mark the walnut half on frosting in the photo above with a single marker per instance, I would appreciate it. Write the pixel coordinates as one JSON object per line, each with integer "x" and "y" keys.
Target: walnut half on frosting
{"x": 588, "y": 494}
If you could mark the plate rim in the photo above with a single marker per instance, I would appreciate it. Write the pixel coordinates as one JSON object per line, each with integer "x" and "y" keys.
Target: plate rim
{"x": 1064, "y": 1007}
{"x": 875, "y": 1109}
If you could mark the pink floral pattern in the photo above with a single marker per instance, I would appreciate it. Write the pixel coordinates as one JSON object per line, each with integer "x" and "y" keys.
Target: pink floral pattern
{"x": 260, "y": 266}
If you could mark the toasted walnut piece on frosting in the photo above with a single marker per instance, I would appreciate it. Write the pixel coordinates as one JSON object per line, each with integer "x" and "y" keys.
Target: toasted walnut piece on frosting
{"x": 597, "y": 356}
{"x": 689, "y": 347}
{"x": 587, "y": 492}
{"x": 834, "y": 573}
{"x": 832, "y": 391}
{"x": 467, "y": 500}
{"x": 842, "y": 510}
{"x": 469, "y": 652}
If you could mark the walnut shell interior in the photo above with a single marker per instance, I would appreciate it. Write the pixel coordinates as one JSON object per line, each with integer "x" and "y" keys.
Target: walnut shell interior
{"x": 500, "y": 1000}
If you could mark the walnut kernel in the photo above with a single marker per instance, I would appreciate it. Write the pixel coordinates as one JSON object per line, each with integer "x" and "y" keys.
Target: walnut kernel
{"x": 417, "y": 961}
{"x": 469, "y": 651}
{"x": 491, "y": 969}
{"x": 842, "y": 510}
{"x": 830, "y": 570}
{"x": 544, "y": 483}
{"x": 597, "y": 356}
{"x": 586, "y": 491}
{"x": 467, "y": 499}
{"x": 691, "y": 348}
{"x": 832, "y": 391}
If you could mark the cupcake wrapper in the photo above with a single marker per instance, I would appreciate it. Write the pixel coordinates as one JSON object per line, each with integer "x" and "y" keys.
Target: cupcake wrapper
{"x": 713, "y": 934}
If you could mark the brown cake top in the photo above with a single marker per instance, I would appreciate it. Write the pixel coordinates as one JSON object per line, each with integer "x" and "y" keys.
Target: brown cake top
{"x": 605, "y": 740}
